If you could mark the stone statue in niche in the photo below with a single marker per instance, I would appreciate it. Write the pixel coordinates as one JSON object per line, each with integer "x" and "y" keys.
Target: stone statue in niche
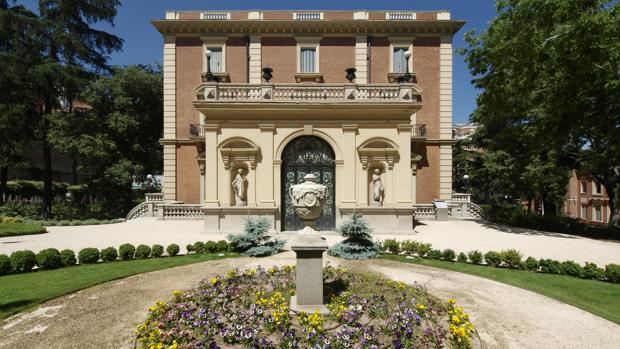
{"x": 239, "y": 185}
{"x": 377, "y": 188}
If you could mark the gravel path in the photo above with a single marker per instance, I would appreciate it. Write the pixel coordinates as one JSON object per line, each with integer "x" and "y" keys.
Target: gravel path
{"x": 104, "y": 316}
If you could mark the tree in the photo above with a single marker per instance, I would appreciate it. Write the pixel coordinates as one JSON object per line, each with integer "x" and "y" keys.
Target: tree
{"x": 358, "y": 242}
{"x": 118, "y": 138}
{"x": 549, "y": 76}
{"x": 72, "y": 52}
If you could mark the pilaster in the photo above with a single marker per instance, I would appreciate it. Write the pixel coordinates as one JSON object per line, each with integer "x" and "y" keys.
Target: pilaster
{"x": 266, "y": 169}
{"x": 211, "y": 165}
{"x": 349, "y": 157}
{"x": 255, "y": 66}
{"x": 403, "y": 194}
{"x": 169, "y": 76}
{"x": 361, "y": 59}
{"x": 445, "y": 117}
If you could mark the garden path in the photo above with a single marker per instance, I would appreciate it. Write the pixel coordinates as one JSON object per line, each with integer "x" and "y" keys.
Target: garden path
{"x": 459, "y": 235}
{"x": 506, "y": 317}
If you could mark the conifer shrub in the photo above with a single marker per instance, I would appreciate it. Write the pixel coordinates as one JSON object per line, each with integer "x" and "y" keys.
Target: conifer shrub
{"x": 199, "y": 247}
{"x": 571, "y": 268}
{"x": 612, "y": 273}
{"x": 173, "y": 250}
{"x": 531, "y": 264}
{"x": 23, "y": 261}
{"x": 434, "y": 254}
{"x": 5, "y": 264}
{"x": 126, "y": 251}
{"x": 391, "y": 245}
{"x": 493, "y": 258}
{"x": 550, "y": 266}
{"x": 255, "y": 240}
{"x": 593, "y": 272}
{"x": 448, "y": 255}
{"x": 143, "y": 251}
{"x": 222, "y": 246}
{"x": 109, "y": 254}
{"x": 49, "y": 259}
{"x": 358, "y": 242}
{"x": 511, "y": 258}
{"x": 67, "y": 257}
{"x": 210, "y": 246}
{"x": 157, "y": 250}
{"x": 475, "y": 257}
{"x": 88, "y": 255}
{"x": 462, "y": 258}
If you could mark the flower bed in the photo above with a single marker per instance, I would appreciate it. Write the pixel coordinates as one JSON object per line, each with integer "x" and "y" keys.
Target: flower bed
{"x": 251, "y": 309}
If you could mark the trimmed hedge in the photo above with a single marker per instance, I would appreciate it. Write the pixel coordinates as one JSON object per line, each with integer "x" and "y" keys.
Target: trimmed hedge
{"x": 199, "y": 247}
{"x": 222, "y": 246}
{"x": 5, "y": 264}
{"x": 23, "y": 261}
{"x": 157, "y": 250}
{"x": 126, "y": 251}
{"x": 475, "y": 256}
{"x": 88, "y": 255}
{"x": 211, "y": 246}
{"x": 109, "y": 254}
{"x": 143, "y": 251}
{"x": 49, "y": 259}
{"x": 68, "y": 258}
{"x": 493, "y": 258}
{"x": 612, "y": 273}
{"x": 173, "y": 249}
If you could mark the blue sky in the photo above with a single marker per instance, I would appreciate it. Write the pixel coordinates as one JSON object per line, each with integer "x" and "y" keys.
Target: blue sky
{"x": 143, "y": 44}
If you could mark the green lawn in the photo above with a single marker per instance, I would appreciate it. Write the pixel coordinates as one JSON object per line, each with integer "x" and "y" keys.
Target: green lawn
{"x": 15, "y": 229}
{"x": 22, "y": 291}
{"x": 597, "y": 297}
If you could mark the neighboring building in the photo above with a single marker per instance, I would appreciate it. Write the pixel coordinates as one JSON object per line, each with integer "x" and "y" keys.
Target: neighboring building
{"x": 586, "y": 199}
{"x": 306, "y": 117}
{"x": 462, "y": 131}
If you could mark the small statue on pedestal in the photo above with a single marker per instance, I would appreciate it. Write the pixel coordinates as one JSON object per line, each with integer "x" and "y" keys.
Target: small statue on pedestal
{"x": 239, "y": 185}
{"x": 377, "y": 188}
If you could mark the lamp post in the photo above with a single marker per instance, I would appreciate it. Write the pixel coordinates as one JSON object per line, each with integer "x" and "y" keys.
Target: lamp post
{"x": 465, "y": 179}
{"x": 267, "y": 74}
{"x": 407, "y": 76}
{"x": 350, "y": 74}
{"x": 210, "y": 76}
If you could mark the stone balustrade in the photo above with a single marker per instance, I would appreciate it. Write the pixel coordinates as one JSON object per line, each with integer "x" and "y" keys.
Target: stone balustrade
{"x": 154, "y": 197}
{"x": 181, "y": 211}
{"x": 461, "y": 197}
{"x": 211, "y": 92}
{"x": 424, "y": 211}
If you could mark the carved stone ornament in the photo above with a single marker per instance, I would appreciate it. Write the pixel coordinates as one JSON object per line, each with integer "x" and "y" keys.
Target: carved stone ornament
{"x": 308, "y": 198}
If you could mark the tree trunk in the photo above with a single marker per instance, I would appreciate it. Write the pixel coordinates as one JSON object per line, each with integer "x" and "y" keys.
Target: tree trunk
{"x": 47, "y": 166}
{"x": 4, "y": 172}
{"x": 74, "y": 170}
{"x": 614, "y": 217}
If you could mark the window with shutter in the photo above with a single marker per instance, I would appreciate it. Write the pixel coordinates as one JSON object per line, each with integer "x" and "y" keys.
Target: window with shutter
{"x": 216, "y": 63}
{"x": 307, "y": 57}
{"x": 399, "y": 60}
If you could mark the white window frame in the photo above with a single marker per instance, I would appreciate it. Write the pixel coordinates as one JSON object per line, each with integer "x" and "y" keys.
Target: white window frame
{"x": 406, "y": 43}
{"x": 214, "y": 42}
{"x": 309, "y": 42}
{"x": 597, "y": 188}
{"x": 581, "y": 188}
{"x": 583, "y": 212}
{"x": 594, "y": 213}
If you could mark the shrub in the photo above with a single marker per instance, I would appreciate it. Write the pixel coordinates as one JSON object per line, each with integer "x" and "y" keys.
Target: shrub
{"x": 571, "y": 268}
{"x": 410, "y": 247}
{"x": 5, "y": 264}
{"x": 475, "y": 256}
{"x": 9, "y": 220}
{"x": 143, "y": 251}
{"x": 199, "y": 247}
{"x": 612, "y": 273}
{"x": 173, "y": 249}
{"x": 109, "y": 254}
{"x": 511, "y": 258}
{"x": 424, "y": 249}
{"x": 462, "y": 258}
{"x": 88, "y": 255}
{"x": 358, "y": 242}
{"x": 593, "y": 272}
{"x": 126, "y": 251}
{"x": 222, "y": 246}
{"x": 531, "y": 264}
{"x": 434, "y": 254}
{"x": 49, "y": 259}
{"x": 211, "y": 246}
{"x": 189, "y": 248}
{"x": 16, "y": 229}
{"x": 550, "y": 266}
{"x": 448, "y": 255}
{"x": 391, "y": 245}
{"x": 157, "y": 250}
{"x": 68, "y": 257}
{"x": 493, "y": 258}
{"x": 23, "y": 261}
{"x": 254, "y": 241}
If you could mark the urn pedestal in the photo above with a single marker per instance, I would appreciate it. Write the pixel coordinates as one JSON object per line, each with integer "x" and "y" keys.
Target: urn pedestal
{"x": 308, "y": 198}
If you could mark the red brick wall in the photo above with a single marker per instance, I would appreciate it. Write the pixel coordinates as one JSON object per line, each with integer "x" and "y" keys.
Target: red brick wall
{"x": 189, "y": 66}
{"x": 330, "y": 16}
{"x": 336, "y": 54}
{"x": 280, "y": 54}
{"x": 188, "y": 174}
{"x": 426, "y": 15}
{"x": 379, "y": 60}
{"x": 189, "y": 15}
{"x": 426, "y": 66}
{"x": 427, "y": 180}
{"x": 275, "y": 15}
{"x": 237, "y": 59}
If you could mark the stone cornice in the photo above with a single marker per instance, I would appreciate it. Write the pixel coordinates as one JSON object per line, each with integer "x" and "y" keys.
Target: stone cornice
{"x": 319, "y": 28}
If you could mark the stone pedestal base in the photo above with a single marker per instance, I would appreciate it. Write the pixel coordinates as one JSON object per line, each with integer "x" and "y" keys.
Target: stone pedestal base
{"x": 309, "y": 248}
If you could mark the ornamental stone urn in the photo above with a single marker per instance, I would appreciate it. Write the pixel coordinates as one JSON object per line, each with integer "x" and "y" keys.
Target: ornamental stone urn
{"x": 308, "y": 199}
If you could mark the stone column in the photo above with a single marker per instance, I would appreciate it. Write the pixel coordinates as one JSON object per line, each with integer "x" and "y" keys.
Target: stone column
{"x": 349, "y": 156}
{"x": 255, "y": 53}
{"x": 403, "y": 198}
{"x": 169, "y": 71}
{"x": 266, "y": 173}
{"x": 211, "y": 165}
{"x": 361, "y": 59}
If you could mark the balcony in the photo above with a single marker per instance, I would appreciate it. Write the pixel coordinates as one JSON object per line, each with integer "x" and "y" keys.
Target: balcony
{"x": 418, "y": 131}
{"x": 196, "y": 131}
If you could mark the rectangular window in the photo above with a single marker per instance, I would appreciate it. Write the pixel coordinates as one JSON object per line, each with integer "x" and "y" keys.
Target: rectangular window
{"x": 596, "y": 188}
{"x": 584, "y": 212}
{"x": 584, "y": 187}
{"x": 216, "y": 61}
{"x": 598, "y": 213}
{"x": 399, "y": 60}
{"x": 307, "y": 56}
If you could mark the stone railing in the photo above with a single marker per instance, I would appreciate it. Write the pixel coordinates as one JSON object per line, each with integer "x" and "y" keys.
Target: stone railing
{"x": 216, "y": 15}
{"x": 142, "y": 210}
{"x": 211, "y": 92}
{"x": 424, "y": 211}
{"x": 181, "y": 211}
{"x": 308, "y": 15}
{"x": 418, "y": 130}
{"x": 154, "y": 197}
{"x": 401, "y": 15}
{"x": 196, "y": 130}
{"x": 461, "y": 197}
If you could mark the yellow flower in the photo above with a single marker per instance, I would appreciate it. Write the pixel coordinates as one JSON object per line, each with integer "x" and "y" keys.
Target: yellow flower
{"x": 451, "y": 300}
{"x": 177, "y": 293}
{"x": 231, "y": 273}
{"x": 421, "y": 306}
{"x": 214, "y": 280}
{"x": 174, "y": 345}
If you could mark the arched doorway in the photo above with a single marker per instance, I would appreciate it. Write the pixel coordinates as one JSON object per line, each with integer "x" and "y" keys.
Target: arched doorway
{"x": 303, "y": 155}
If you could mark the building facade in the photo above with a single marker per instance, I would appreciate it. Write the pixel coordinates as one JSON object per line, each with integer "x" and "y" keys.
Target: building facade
{"x": 586, "y": 199}
{"x": 238, "y": 135}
